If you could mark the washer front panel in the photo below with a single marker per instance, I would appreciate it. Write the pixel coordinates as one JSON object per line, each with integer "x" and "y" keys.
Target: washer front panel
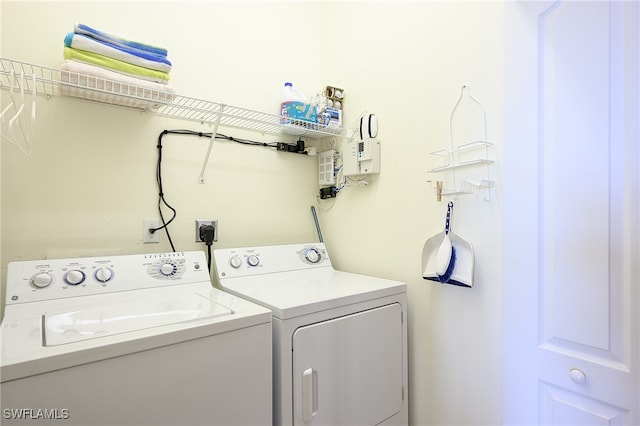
{"x": 31, "y": 281}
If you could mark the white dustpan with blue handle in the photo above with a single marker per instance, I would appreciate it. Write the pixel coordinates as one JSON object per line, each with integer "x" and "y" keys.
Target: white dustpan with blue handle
{"x": 448, "y": 258}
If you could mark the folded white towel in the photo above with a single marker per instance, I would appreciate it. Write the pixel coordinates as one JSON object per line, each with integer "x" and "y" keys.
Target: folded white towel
{"x": 99, "y": 84}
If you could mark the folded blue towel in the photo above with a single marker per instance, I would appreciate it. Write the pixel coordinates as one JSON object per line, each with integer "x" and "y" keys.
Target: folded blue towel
{"x": 124, "y": 54}
{"x": 119, "y": 41}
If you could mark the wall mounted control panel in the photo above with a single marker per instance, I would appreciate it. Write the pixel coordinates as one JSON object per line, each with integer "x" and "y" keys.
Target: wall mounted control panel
{"x": 361, "y": 157}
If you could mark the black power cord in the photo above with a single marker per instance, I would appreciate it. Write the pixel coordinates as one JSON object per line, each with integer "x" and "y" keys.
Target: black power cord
{"x": 161, "y": 199}
{"x": 208, "y": 235}
{"x": 298, "y": 148}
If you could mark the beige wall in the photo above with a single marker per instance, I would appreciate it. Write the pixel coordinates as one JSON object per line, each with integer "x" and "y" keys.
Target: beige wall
{"x": 406, "y": 62}
{"x": 90, "y": 180}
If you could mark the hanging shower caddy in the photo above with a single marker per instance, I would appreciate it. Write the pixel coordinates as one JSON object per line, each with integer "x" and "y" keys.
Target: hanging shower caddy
{"x": 459, "y": 158}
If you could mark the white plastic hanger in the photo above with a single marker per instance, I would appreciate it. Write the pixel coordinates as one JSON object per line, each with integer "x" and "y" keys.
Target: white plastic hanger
{"x": 23, "y": 141}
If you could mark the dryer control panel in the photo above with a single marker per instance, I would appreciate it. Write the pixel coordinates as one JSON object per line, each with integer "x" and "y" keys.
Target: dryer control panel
{"x": 36, "y": 280}
{"x": 239, "y": 262}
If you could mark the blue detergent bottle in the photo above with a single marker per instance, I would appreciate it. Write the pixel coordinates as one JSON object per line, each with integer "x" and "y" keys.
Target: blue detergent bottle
{"x": 294, "y": 106}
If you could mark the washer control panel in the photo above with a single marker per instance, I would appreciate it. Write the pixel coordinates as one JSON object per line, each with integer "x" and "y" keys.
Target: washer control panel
{"x": 35, "y": 280}
{"x": 238, "y": 262}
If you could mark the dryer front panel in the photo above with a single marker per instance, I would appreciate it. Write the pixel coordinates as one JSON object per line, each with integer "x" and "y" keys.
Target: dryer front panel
{"x": 349, "y": 370}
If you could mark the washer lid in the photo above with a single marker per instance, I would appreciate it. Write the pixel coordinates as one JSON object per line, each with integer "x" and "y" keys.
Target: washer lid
{"x": 295, "y": 293}
{"x": 61, "y": 328}
{"x": 201, "y": 311}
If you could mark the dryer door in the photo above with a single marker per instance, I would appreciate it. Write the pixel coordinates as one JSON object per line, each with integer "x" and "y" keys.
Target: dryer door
{"x": 348, "y": 370}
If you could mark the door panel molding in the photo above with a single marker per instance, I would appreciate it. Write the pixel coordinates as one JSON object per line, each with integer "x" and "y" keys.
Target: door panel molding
{"x": 571, "y": 208}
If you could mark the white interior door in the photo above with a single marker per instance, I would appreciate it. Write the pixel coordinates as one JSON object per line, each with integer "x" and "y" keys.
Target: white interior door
{"x": 572, "y": 228}
{"x": 348, "y": 370}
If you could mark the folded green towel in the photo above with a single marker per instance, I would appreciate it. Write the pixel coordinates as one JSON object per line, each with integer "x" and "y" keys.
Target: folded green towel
{"x": 116, "y": 65}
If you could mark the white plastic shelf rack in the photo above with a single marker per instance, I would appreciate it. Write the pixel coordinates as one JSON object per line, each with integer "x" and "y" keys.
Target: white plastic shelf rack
{"x": 24, "y": 77}
{"x": 460, "y": 157}
{"x": 464, "y": 156}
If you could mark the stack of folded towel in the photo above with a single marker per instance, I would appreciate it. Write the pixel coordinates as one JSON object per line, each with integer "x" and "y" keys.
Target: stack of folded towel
{"x": 117, "y": 70}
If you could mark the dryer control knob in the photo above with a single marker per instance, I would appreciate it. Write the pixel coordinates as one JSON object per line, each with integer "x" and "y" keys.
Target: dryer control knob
{"x": 312, "y": 255}
{"x": 104, "y": 274}
{"x": 41, "y": 280}
{"x": 253, "y": 260}
{"x": 74, "y": 277}
{"x": 167, "y": 269}
{"x": 235, "y": 262}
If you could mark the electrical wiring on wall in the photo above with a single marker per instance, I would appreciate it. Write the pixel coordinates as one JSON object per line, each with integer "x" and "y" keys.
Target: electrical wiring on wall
{"x": 161, "y": 195}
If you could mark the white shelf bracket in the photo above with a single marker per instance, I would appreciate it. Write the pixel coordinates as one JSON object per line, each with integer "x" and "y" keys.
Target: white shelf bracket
{"x": 214, "y": 132}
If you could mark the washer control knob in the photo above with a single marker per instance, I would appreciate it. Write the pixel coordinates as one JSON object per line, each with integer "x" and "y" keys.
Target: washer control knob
{"x": 41, "y": 280}
{"x": 74, "y": 277}
{"x": 104, "y": 274}
{"x": 253, "y": 260}
{"x": 235, "y": 262}
{"x": 312, "y": 255}
{"x": 167, "y": 269}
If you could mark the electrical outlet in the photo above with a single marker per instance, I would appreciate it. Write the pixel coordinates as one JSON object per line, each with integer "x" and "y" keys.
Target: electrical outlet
{"x": 148, "y": 237}
{"x": 200, "y": 223}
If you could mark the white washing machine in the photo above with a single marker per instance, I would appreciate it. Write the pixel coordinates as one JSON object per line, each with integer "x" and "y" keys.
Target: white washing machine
{"x": 131, "y": 340}
{"x": 339, "y": 339}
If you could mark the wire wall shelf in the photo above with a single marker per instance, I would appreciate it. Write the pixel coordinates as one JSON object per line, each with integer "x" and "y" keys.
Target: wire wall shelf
{"x": 22, "y": 78}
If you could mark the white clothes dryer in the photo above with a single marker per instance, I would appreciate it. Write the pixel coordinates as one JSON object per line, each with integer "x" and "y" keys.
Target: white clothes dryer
{"x": 339, "y": 339}
{"x": 131, "y": 340}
